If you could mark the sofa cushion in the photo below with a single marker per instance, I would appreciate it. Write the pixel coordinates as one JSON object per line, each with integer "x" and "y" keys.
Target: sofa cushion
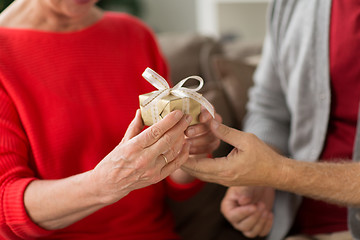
{"x": 235, "y": 76}
{"x": 188, "y": 54}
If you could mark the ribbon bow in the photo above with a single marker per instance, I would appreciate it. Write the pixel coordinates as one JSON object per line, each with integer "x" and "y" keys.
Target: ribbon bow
{"x": 178, "y": 90}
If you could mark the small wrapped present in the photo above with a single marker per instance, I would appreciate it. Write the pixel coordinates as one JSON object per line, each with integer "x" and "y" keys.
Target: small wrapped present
{"x": 157, "y": 104}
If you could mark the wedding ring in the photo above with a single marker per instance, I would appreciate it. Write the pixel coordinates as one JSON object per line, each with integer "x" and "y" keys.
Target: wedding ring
{"x": 166, "y": 160}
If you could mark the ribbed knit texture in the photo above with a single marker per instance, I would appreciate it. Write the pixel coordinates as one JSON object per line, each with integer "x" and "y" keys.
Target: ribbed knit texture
{"x": 66, "y": 100}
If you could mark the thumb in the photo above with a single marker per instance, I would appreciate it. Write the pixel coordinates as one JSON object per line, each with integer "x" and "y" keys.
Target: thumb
{"x": 244, "y": 195}
{"x": 227, "y": 134}
{"x": 134, "y": 128}
{"x": 205, "y": 169}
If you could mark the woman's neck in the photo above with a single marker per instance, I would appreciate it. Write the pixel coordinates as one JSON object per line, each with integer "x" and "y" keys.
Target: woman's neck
{"x": 25, "y": 14}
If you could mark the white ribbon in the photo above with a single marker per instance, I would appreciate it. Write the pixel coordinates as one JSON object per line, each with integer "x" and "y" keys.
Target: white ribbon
{"x": 178, "y": 90}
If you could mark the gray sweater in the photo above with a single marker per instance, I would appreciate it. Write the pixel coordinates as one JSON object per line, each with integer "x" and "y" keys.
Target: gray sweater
{"x": 289, "y": 105}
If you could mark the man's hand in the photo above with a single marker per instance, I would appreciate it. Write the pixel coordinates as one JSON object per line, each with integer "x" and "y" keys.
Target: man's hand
{"x": 248, "y": 209}
{"x": 251, "y": 162}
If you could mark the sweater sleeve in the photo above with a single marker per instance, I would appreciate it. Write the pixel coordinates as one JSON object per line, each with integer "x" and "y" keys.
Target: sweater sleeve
{"x": 15, "y": 175}
{"x": 182, "y": 192}
{"x": 268, "y": 116}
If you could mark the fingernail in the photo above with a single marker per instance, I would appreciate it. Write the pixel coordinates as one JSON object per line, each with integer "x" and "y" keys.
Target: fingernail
{"x": 178, "y": 114}
{"x": 215, "y": 124}
{"x": 204, "y": 117}
{"x": 190, "y": 131}
{"x": 189, "y": 118}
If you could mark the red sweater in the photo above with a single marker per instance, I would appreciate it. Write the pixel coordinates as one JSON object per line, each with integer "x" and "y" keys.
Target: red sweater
{"x": 66, "y": 100}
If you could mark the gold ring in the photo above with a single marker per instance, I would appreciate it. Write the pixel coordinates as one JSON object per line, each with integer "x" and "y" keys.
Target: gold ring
{"x": 166, "y": 160}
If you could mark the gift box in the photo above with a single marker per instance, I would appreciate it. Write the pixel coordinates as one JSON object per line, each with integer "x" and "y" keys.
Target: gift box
{"x": 156, "y": 105}
{"x": 168, "y": 104}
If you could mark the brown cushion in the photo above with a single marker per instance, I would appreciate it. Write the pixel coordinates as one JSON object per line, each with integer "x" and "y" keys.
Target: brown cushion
{"x": 236, "y": 79}
{"x": 188, "y": 54}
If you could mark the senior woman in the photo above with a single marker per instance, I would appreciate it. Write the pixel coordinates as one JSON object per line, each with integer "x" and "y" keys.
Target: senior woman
{"x": 70, "y": 76}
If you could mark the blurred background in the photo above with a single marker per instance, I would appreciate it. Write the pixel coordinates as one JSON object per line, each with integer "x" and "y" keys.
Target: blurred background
{"x": 243, "y": 19}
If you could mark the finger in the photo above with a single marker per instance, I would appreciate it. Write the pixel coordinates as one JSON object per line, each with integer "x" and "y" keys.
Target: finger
{"x": 229, "y": 201}
{"x": 202, "y": 140}
{"x": 268, "y": 225}
{"x": 177, "y": 162}
{"x": 202, "y": 127}
{"x": 196, "y": 130}
{"x": 258, "y": 227}
{"x": 244, "y": 195}
{"x": 166, "y": 142}
{"x": 206, "y": 148}
{"x": 174, "y": 151}
{"x": 202, "y": 168}
{"x": 204, "y": 165}
{"x": 237, "y": 196}
{"x": 227, "y": 134}
{"x": 204, "y": 116}
{"x": 156, "y": 131}
{"x": 206, "y": 169}
{"x": 163, "y": 158}
{"x": 134, "y": 127}
{"x": 218, "y": 118}
{"x": 239, "y": 214}
{"x": 247, "y": 224}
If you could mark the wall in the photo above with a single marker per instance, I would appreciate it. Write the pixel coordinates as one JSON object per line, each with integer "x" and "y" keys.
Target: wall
{"x": 170, "y": 15}
{"x": 245, "y": 20}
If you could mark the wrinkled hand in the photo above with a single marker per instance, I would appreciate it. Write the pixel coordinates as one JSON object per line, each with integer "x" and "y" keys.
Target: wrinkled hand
{"x": 248, "y": 209}
{"x": 251, "y": 162}
{"x": 137, "y": 162}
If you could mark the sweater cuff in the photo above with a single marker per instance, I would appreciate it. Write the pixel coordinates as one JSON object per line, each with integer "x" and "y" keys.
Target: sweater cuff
{"x": 15, "y": 214}
{"x": 181, "y": 192}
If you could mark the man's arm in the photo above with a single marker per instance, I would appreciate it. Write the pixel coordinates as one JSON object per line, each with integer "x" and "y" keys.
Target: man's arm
{"x": 338, "y": 183}
{"x": 254, "y": 163}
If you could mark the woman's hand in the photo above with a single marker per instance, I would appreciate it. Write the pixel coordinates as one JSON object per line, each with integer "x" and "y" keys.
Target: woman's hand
{"x": 142, "y": 159}
{"x": 135, "y": 163}
{"x": 202, "y": 140}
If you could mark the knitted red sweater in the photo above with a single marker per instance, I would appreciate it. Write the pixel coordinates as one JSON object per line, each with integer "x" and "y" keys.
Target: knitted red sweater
{"x": 65, "y": 102}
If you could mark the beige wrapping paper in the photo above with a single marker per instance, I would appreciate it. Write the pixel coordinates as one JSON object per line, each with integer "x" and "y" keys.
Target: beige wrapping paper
{"x": 168, "y": 104}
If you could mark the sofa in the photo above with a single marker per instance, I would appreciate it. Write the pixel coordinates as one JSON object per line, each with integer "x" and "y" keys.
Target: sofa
{"x": 227, "y": 67}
